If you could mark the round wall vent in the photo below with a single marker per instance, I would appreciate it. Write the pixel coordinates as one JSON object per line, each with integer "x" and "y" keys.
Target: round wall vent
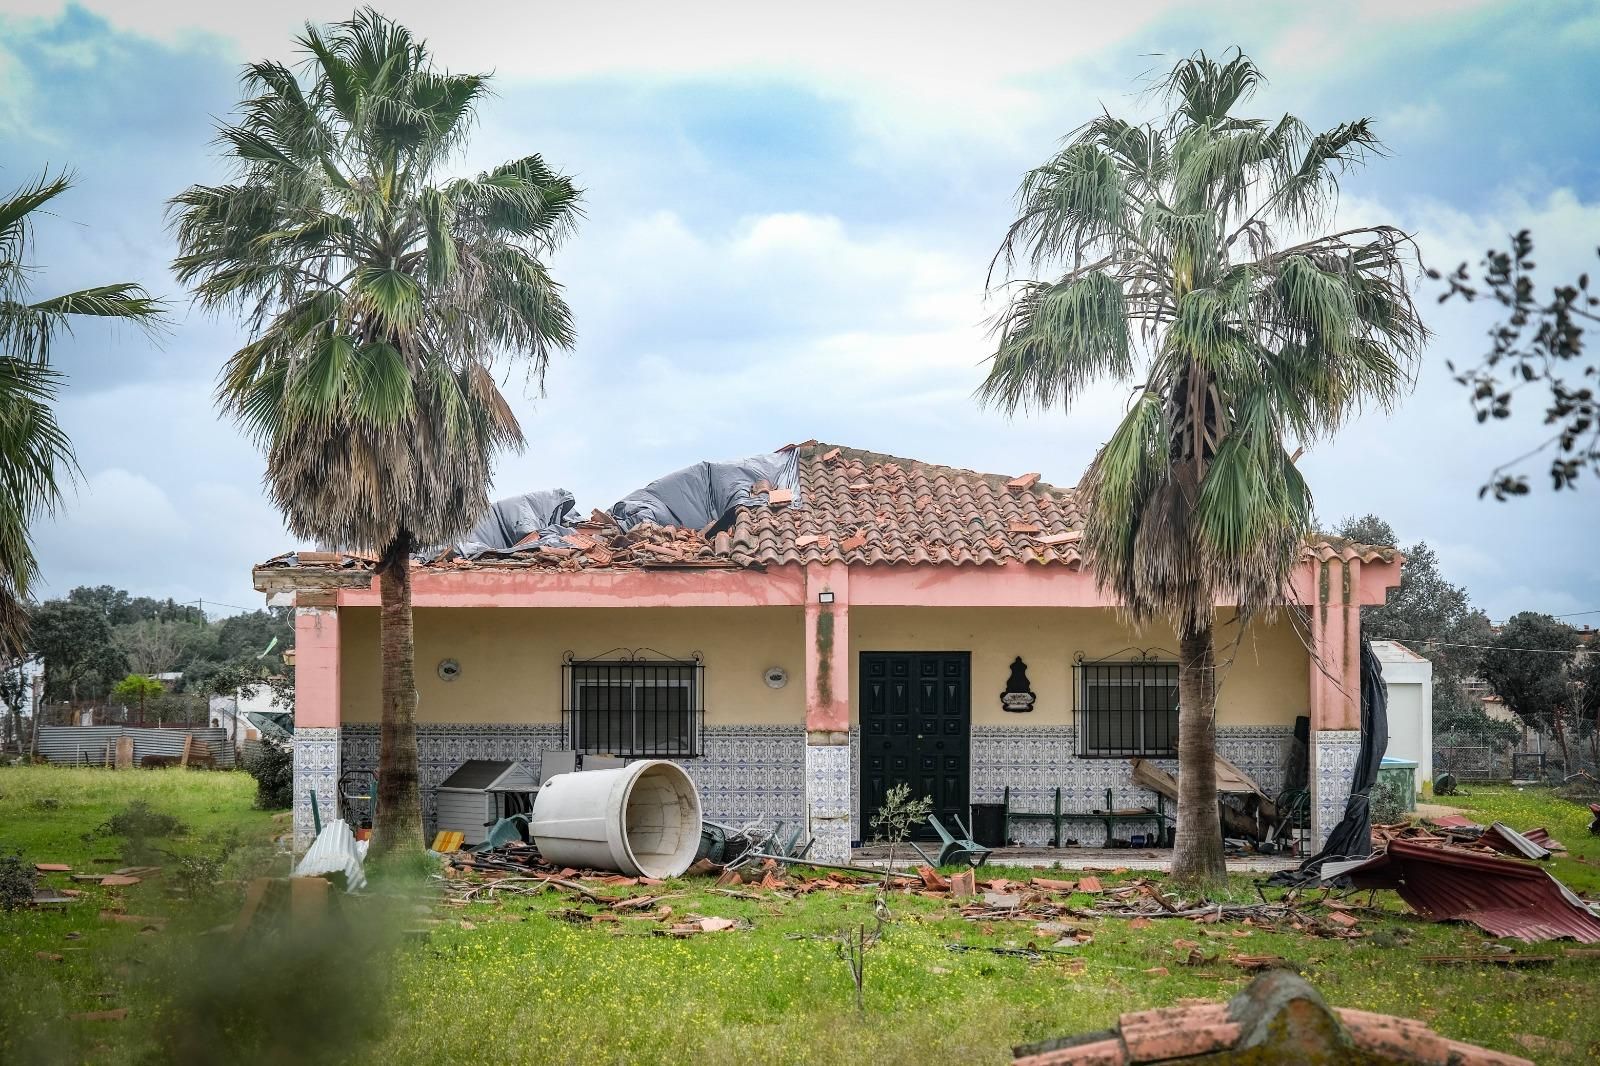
{"x": 776, "y": 677}
{"x": 449, "y": 669}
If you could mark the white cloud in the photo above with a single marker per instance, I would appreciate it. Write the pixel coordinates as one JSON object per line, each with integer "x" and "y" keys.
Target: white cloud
{"x": 908, "y": 65}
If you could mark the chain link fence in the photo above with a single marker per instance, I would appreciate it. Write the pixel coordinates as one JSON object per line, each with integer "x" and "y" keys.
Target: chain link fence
{"x": 1534, "y": 755}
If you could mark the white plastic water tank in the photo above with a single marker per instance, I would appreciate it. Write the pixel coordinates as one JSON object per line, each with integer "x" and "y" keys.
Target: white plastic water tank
{"x": 641, "y": 820}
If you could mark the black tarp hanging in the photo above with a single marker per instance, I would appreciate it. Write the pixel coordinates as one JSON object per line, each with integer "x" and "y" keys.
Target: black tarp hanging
{"x": 1352, "y": 837}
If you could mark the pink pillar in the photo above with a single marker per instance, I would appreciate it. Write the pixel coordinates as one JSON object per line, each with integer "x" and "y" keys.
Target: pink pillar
{"x": 1335, "y": 606}
{"x": 828, "y": 755}
{"x": 827, "y": 649}
{"x": 316, "y": 716}
{"x": 316, "y": 667}
{"x": 1336, "y": 645}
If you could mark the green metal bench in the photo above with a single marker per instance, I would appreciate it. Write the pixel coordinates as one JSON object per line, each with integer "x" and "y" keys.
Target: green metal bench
{"x": 1058, "y": 817}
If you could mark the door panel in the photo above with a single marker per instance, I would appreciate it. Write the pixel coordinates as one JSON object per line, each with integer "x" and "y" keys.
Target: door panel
{"x": 916, "y": 720}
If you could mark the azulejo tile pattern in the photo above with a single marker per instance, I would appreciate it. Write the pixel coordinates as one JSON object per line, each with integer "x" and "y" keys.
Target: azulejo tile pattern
{"x": 829, "y": 780}
{"x": 1034, "y": 760}
{"x": 746, "y": 774}
{"x": 752, "y": 774}
{"x": 316, "y": 768}
{"x": 1333, "y": 768}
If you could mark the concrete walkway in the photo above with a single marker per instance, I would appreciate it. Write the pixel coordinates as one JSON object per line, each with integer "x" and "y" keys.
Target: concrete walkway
{"x": 1077, "y": 859}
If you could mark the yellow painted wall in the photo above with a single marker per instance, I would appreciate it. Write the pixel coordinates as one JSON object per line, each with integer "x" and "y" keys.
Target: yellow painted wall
{"x": 1266, "y": 683}
{"x": 511, "y": 659}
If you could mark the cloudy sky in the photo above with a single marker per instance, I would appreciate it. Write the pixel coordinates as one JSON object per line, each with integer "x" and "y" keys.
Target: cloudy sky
{"x": 790, "y": 209}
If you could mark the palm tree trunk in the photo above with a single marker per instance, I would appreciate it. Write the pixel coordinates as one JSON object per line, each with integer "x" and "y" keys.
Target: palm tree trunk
{"x": 398, "y": 824}
{"x": 1197, "y": 852}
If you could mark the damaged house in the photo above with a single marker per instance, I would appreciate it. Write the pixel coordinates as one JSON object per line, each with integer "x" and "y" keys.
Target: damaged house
{"x": 805, "y": 629}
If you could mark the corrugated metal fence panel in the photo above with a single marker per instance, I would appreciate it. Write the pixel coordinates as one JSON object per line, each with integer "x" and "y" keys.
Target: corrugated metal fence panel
{"x": 74, "y": 744}
{"x": 89, "y": 744}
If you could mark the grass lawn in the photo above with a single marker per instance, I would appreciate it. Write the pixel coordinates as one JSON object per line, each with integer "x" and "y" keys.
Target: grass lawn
{"x": 519, "y": 981}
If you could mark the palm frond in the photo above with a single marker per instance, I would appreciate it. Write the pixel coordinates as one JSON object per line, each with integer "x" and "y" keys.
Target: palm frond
{"x": 380, "y": 292}
{"x": 1167, "y": 229}
{"x": 1055, "y": 340}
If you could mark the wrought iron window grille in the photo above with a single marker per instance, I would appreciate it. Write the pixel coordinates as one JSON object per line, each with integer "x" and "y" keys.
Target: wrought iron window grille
{"x": 634, "y": 703}
{"x": 1126, "y": 705}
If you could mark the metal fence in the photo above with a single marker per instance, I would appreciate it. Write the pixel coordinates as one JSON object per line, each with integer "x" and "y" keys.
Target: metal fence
{"x": 96, "y": 745}
{"x": 1473, "y": 755}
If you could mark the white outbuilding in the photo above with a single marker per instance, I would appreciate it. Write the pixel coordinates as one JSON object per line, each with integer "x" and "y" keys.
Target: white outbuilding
{"x": 1410, "y": 680}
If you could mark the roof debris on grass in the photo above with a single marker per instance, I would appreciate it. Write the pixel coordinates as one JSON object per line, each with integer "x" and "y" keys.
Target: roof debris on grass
{"x": 1277, "y": 1018}
{"x": 1505, "y": 897}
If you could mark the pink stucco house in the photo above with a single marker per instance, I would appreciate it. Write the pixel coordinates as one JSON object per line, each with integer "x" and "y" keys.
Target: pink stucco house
{"x": 854, "y": 621}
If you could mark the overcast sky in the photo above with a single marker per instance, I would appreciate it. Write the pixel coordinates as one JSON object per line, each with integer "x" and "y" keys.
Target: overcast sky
{"x": 790, "y": 210}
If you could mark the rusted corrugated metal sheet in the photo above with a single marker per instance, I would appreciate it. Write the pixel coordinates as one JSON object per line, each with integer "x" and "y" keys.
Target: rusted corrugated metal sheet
{"x": 1529, "y": 845}
{"x": 1503, "y": 897}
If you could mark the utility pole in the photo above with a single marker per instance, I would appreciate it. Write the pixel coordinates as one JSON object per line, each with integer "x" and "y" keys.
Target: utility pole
{"x": 33, "y": 717}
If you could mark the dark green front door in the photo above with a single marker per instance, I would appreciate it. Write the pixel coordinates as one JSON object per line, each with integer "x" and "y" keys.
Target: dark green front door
{"x": 916, "y": 718}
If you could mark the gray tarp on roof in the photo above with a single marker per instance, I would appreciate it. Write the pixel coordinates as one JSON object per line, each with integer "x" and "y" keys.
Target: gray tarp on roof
{"x": 509, "y": 521}
{"x": 695, "y": 497}
{"x": 698, "y": 496}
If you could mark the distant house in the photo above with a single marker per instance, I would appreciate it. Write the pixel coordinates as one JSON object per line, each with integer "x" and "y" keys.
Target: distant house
{"x": 238, "y": 714}
{"x": 1409, "y": 677}
{"x": 855, "y": 621}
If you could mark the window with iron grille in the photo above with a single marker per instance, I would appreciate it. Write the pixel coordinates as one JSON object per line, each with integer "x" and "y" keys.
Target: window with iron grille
{"x": 631, "y": 705}
{"x": 1126, "y": 709}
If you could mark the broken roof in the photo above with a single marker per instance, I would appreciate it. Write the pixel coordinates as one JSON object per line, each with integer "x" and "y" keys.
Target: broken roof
{"x": 848, "y": 505}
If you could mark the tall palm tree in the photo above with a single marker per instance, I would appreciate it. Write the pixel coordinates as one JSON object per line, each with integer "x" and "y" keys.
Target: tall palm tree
{"x": 380, "y": 296}
{"x": 1182, "y": 257}
{"x": 35, "y": 454}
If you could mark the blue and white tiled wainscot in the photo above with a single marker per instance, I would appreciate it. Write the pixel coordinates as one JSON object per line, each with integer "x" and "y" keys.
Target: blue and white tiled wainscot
{"x": 746, "y": 773}
{"x": 1035, "y": 760}
{"x": 316, "y": 769}
{"x": 1333, "y": 767}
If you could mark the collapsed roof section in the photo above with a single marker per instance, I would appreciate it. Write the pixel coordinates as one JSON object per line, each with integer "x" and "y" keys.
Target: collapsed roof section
{"x": 803, "y": 503}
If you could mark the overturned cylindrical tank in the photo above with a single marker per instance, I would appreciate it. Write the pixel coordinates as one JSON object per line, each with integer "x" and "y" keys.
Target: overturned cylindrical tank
{"x": 642, "y": 819}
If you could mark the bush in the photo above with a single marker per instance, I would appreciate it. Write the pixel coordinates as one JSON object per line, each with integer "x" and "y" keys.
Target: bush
{"x": 138, "y": 819}
{"x": 1388, "y": 802}
{"x": 139, "y": 825}
{"x": 17, "y": 880}
{"x": 273, "y": 768}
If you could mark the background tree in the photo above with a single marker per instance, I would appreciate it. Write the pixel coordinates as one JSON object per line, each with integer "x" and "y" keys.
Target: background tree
{"x": 1166, "y": 270}
{"x": 1528, "y": 667}
{"x": 35, "y": 454}
{"x": 380, "y": 297}
{"x": 16, "y": 694}
{"x": 81, "y": 659}
{"x": 1540, "y": 341}
{"x": 120, "y": 608}
{"x": 138, "y": 690}
{"x": 1427, "y": 613}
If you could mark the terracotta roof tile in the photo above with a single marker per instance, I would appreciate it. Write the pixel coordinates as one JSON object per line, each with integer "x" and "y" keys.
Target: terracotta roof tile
{"x": 852, "y": 506}
{"x": 882, "y": 510}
